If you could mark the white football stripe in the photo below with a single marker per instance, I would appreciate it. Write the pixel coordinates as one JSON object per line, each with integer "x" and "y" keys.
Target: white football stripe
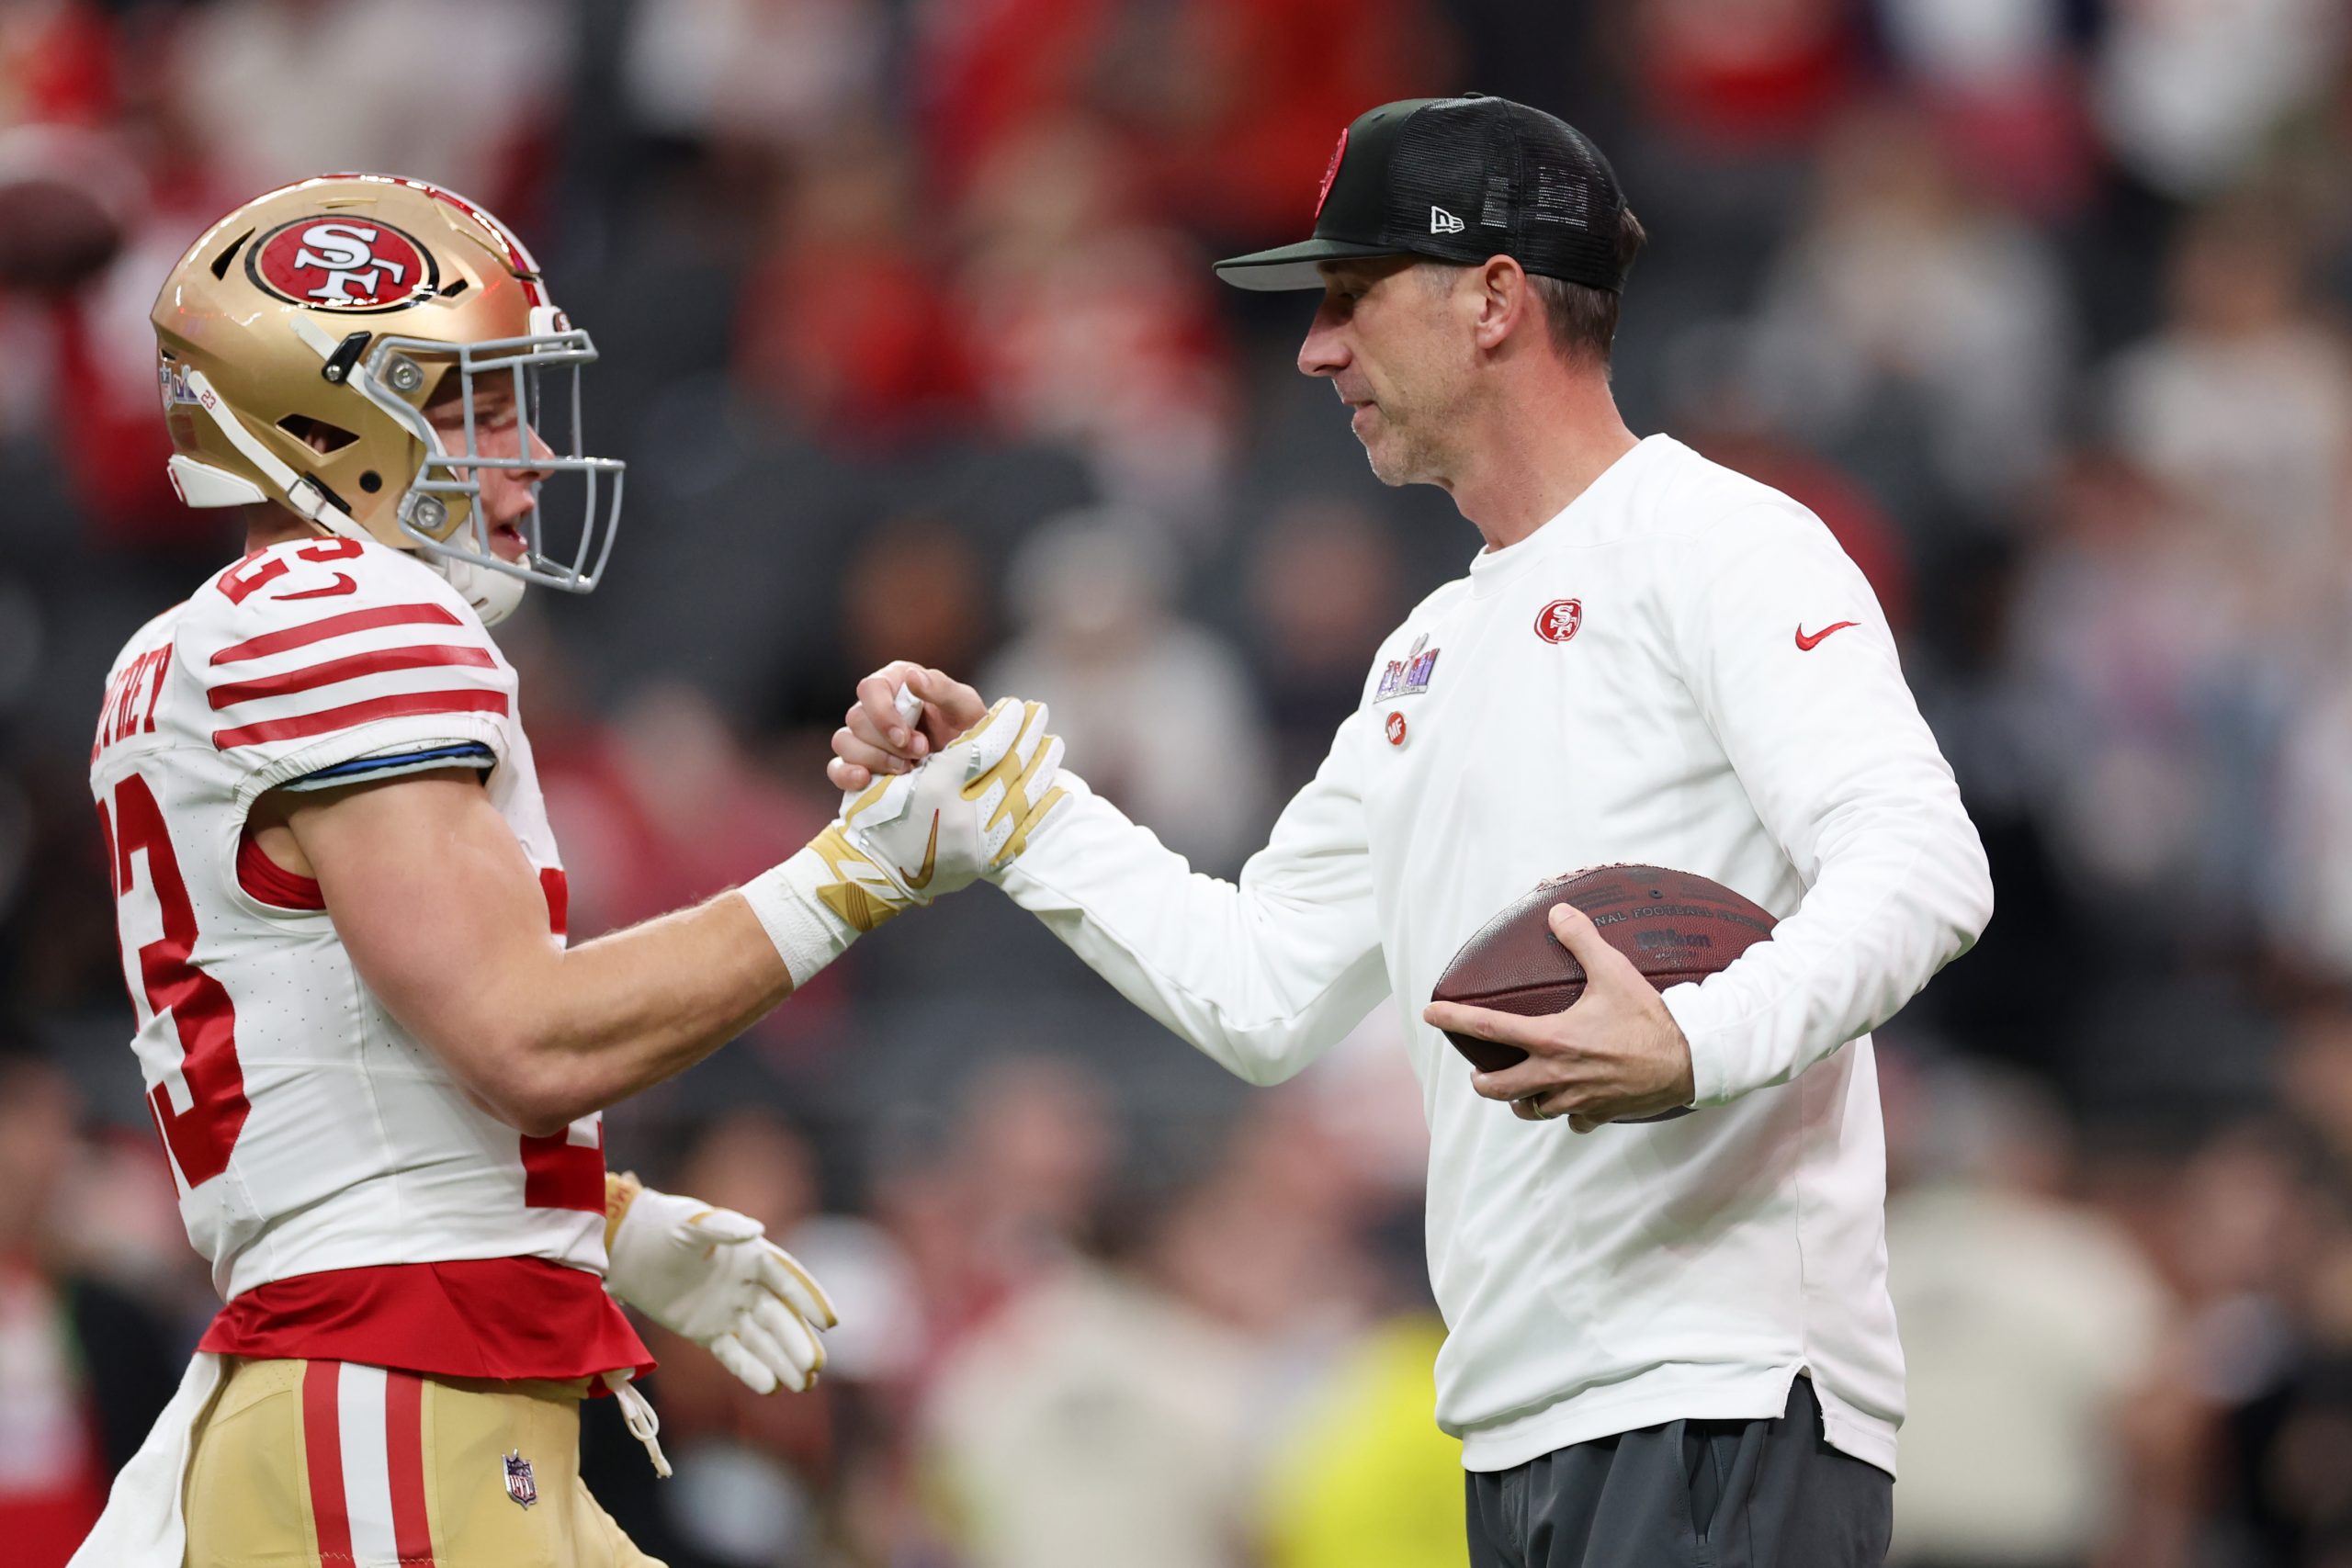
{"x": 367, "y": 1472}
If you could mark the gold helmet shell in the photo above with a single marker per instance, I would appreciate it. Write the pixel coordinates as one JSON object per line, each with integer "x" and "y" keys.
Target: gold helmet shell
{"x": 301, "y": 339}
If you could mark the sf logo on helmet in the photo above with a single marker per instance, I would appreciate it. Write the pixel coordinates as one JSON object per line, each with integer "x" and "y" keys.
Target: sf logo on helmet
{"x": 341, "y": 263}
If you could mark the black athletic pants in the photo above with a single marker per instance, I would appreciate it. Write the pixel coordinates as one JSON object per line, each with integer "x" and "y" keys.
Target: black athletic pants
{"x": 1763, "y": 1494}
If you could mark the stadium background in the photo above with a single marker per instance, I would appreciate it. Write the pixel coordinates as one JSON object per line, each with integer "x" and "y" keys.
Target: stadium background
{"x": 909, "y": 338}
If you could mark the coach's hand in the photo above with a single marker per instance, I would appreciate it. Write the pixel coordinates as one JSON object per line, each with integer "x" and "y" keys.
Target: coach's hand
{"x": 873, "y": 739}
{"x": 1616, "y": 1055}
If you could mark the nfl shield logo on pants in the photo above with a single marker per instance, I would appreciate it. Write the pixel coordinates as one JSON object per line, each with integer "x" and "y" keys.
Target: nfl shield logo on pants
{"x": 520, "y": 1483}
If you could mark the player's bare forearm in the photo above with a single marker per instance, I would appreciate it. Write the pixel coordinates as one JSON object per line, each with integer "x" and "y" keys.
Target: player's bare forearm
{"x": 444, "y": 918}
{"x": 632, "y": 1009}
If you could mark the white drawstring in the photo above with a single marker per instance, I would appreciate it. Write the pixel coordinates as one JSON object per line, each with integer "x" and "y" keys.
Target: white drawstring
{"x": 638, "y": 1411}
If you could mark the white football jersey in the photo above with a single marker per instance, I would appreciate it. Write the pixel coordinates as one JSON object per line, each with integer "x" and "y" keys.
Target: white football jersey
{"x": 307, "y": 1129}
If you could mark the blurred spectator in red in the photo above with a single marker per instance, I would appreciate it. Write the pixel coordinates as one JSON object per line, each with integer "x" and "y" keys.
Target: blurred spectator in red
{"x": 772, "y": 73}
{"x": 2190, "y": 93}
{"x": 1094, "y": 327}
{"x": 987, "y": 71}
{"x": 458, "y": 91}
{"x": 2241, "y": 402}
{"x": 1241, "y": 100}
{"x": 1903, "y": 281}
{"x": 659, "y": 805}
{"x": 74, "y": 301}
{"x": 57, "y": 62}
{"x": 1735, "y": 77}
{"x": 1324, "y": 587}
{"x": 850, "y": 322}
{"x": 2032, "y": 1326}
{"x": 2003, "y": 83}
{"x": 1146, "y": 701}
{"x": 84, "y": 1368}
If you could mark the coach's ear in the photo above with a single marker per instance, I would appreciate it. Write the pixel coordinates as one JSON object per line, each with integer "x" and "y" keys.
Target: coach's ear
{"x": 1504, "y": 299}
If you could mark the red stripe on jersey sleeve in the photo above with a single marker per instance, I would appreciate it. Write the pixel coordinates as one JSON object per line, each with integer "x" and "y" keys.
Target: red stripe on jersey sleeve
{"x": 344, "y": 718}
{"x": 423, "y": 655}
{"x": 336, "y": 626}
{"x": 322, "y": 1457}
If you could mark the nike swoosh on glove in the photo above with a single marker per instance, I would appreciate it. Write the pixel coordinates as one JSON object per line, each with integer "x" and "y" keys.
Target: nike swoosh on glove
{"x": 712, "y": 1275}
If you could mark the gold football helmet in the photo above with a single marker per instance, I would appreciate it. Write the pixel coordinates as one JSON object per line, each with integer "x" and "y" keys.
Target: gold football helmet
{"x": 301, "y": 339}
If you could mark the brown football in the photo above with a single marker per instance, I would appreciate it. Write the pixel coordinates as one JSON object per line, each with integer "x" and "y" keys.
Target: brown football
{"x": 1675, "y": 927}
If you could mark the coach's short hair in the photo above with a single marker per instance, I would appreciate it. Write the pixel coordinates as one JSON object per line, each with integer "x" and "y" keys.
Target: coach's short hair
{"x": 1584, "y": 320}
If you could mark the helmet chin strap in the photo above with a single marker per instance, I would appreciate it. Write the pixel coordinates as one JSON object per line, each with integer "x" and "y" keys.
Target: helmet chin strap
{"x": 492, "y": 594}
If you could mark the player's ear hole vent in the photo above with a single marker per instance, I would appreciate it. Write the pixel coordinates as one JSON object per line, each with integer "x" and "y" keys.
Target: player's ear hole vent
{"x": 316, "y": 434}
{"x": 371, "y": 481}
{"x": 221, "y": 263}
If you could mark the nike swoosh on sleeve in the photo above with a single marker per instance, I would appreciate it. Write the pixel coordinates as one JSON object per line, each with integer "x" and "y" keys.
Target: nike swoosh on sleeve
{"x": 1807, "y": 644}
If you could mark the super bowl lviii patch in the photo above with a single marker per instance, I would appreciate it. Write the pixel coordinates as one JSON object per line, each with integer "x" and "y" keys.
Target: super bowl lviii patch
{"x": 1410, "y": 675}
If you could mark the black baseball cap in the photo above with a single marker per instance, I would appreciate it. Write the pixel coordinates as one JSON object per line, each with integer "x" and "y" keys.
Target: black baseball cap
{"x": 1458, "y": 180}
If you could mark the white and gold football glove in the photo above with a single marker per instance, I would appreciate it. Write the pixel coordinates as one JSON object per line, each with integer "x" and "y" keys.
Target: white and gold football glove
{"x": 907, "y": 839}
{"x": 712, "y": 1275}
{"x": 966, "y": 810}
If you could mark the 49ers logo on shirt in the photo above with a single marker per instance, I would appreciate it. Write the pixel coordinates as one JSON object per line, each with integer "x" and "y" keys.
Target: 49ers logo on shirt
{"x": 1560, "y": 620}
{"x": 341, "y": 263}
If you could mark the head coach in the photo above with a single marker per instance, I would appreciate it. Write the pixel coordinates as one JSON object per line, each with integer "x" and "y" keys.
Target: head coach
{"x": 1669, "y": 1342}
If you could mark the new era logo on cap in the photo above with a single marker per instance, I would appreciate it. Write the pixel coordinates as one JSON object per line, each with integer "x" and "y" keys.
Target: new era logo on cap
{"x": 1443, "y": 223}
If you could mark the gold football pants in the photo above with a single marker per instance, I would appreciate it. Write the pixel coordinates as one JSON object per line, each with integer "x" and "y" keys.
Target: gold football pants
{"x": 324, "y": 1464}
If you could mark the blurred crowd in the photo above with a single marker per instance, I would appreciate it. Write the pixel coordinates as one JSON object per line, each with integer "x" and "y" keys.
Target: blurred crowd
{"x": 909, "y": 337}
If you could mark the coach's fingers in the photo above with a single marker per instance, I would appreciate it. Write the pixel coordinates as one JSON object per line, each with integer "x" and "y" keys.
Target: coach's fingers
{"x": 1603, "y": 965}
{"x": 891, "y": 734}
{"x": 876, "y": 719}
{"x": 859, "y": 753}
{"x": 949, "y": 707}
{"x": 1484, "y": 1023}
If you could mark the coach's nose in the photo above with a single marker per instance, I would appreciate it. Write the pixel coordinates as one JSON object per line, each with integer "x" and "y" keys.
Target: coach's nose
{"x": 1325, "y": 352}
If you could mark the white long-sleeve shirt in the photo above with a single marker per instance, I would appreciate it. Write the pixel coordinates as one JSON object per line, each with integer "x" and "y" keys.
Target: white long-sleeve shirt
{"x": 1649, "y": 677}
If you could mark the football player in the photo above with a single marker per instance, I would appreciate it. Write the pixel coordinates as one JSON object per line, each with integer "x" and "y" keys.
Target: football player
{"x": 377, "y": 1068}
